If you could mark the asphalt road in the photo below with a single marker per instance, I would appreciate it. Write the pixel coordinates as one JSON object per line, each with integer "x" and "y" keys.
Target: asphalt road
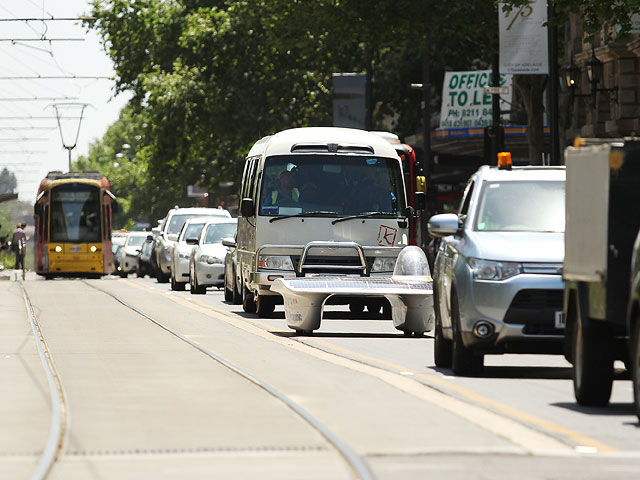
{"x": 142, "y": 402}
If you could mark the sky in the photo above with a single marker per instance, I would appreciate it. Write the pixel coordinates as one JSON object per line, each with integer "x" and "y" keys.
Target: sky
{"x": 31, "y": 145}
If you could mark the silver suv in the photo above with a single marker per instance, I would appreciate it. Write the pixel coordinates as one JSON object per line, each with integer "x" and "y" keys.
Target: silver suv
{"x": 497, "y": 277}
{"x": 167, "y": 234}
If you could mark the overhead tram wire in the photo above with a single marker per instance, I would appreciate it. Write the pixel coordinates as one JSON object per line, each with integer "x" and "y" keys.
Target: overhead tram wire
{"x": 52, "y": 19}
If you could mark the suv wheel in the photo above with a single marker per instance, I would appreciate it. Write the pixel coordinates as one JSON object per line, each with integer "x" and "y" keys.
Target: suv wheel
{"x": 441, "y": 346}
{"x": 464, "y": 361}
{"x": 592, "y": 362}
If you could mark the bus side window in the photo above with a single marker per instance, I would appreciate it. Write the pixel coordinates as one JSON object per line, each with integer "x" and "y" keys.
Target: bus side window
{"x": 45, "y": 223}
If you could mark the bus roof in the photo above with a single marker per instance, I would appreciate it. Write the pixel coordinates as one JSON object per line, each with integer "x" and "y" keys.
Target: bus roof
{"x": 318, "y": 140}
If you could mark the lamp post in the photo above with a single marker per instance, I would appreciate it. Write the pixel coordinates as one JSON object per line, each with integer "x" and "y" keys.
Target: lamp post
{"x": 594, "y": 72}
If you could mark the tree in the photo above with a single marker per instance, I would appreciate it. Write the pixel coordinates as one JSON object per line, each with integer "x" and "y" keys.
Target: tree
{"x": 8, "y": 182}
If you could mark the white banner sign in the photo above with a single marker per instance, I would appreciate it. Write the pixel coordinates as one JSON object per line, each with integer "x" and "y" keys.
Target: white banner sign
{"x": 523, "y": 39}
{"x": 464, "y": 100}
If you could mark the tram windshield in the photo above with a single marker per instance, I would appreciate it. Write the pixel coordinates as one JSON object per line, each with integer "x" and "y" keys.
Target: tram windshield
{"x": 75, "y": 214}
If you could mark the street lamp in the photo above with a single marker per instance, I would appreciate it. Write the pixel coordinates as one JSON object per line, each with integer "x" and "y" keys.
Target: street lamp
{"x": 594, "y": 72}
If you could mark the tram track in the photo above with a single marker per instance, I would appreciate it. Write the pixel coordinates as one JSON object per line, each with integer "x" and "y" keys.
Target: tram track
{"x": 356, "y": 464}
{"x": 57, "y": 398}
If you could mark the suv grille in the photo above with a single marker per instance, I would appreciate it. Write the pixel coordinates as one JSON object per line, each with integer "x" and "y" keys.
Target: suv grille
{"x": 536, "y": 310}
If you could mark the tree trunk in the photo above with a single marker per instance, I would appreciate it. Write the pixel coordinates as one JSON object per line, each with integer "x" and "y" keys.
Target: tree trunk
{"x": 531, "y": 88}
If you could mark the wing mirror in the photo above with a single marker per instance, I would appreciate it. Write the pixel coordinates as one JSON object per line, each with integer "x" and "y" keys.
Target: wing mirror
{"x": 247, "y": 208}
{"x": 193, "y": 241}
{"x": 443, "y": 225}
{"x": 229, "y": 242}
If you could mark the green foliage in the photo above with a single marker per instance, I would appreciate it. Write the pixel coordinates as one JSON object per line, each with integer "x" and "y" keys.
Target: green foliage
{"x": 8, "y": 182}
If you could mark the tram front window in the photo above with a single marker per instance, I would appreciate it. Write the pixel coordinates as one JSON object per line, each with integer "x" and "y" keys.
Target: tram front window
{"x": 75, "y": 214}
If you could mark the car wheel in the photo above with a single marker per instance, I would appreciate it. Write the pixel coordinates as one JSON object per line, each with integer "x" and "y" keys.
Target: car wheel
{"x": 265, "y": 305}
{"x": 237, "y": 296}
{"x": 635, "y": 368}
{"x": 228, "y": 294}
{"x": 123, "y": 274}
{"x": 161, "y": 277}
{"x": 592, "y": 362}
{"x": 248, "y": 303}
{"x": 177, "y": 286}
{"x": 464, "y": 361}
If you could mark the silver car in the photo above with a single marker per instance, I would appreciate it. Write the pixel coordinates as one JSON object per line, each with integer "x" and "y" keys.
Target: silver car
{"x": 497, "y": 277}
{"x": 181, "y": 251}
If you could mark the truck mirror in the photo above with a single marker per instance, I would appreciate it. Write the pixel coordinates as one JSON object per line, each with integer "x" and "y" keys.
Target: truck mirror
{"x": 247, "y": 209}
{"x": 419, "y": 200}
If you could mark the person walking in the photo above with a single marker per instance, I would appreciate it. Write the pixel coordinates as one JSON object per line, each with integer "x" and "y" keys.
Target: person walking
{"x": 18, "y": 242}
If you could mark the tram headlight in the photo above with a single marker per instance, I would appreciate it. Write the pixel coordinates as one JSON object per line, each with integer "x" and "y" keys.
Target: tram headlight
{"x": 93, "y": 249}
{"x": 58, "y": 249}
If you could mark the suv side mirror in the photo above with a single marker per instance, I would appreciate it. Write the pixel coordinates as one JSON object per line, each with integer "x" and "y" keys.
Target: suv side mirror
{"x": 419, "y": 200}
{"x": 193, "y": 241}
{"x": 443, "y": 225}
{"x": 247, "y": 208}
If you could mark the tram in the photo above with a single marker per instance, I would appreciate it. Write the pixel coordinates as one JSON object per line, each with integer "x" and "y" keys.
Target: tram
{"x": 72, "y": 215}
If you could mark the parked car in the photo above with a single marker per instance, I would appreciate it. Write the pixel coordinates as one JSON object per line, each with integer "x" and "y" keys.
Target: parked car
{"x": 144, "y": 266}
{"x": 231, "y": 279}
{"x": 181, "y": 251}
{"x": 497, "y": 281}
{"x": 206, "y": 265}
{"x": 128, "y": 254}
{"x": 117, "y": 240}
{"x": 167, "y": 234}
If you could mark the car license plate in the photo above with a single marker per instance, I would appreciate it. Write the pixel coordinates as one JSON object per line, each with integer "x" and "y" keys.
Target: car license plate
{"x": 560, "y": 321}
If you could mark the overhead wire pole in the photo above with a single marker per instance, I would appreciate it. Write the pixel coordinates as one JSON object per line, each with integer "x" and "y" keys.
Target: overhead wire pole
{"x": 69, "y": 147}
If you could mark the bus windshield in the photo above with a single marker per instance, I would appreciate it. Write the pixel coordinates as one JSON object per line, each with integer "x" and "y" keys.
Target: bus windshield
{"x": 331, "y": 184}
{"x": 75, "y": 214}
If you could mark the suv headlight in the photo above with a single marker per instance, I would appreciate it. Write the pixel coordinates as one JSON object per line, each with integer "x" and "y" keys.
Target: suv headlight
{"x": 492, "y": 270}
{"x": 383, "y": 264}
{"x": 275, "y": 262}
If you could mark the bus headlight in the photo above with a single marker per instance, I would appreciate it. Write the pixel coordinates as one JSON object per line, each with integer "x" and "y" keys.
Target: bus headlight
{"x": 383, "y": 264}
{"x": 275, "y": 262}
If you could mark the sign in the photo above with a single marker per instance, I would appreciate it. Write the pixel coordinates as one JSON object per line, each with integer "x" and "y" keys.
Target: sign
{"x": 350, "y": 100}
{"x": 496, "y": 90}
{"x": 523, "y": 39}
{"x": 464, "y": 101}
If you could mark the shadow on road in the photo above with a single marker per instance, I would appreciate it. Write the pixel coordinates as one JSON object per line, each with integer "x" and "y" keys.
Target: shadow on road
{"x": 341, "y": 335}
{"x": 613, "y": 409}
{"x": 542, "y": 373}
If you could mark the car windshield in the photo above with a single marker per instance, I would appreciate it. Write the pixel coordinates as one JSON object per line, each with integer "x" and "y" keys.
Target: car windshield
{"x": 136, "y": 240}
{"x": 335, "y": 184}
{"x": 177, "y": 221}
{"x": 217, "y": 231}
{"x": 528, "y": 206}
{"x": 192, "y": 230}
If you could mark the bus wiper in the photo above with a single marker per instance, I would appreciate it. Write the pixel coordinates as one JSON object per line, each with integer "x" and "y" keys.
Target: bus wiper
{"x": 364, "y": 215}
{"x": 302, "y": 214}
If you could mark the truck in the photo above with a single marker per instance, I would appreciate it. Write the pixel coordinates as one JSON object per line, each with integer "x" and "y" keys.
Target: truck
{"x": 602, "y": 221}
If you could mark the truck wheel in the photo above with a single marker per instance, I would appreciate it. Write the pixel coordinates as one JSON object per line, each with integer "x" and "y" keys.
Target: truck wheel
{"x": 464, "y": 361}
{"x": 635, "y": 368}
{"x": 265, "y": 305}
{"x": 248, "y": 303}
{"x": 228, "y": 294}
{"x": 592, "y": 362}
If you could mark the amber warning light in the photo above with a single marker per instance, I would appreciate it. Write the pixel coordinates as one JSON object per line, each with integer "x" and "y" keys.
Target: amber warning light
{"x": 504, "y": 160}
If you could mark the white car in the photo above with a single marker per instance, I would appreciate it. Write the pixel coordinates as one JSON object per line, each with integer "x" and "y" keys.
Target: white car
{"x": 206, "y": 265}
{"x": 181, "y": 251}
{"x": 167, "y": 234}
{"x": 128, "y": 254}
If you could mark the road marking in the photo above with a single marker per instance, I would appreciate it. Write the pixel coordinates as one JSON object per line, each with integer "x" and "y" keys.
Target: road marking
{"x": 509, "y": 427}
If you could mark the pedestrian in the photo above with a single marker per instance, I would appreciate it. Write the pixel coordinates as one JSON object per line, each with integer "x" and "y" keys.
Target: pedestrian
{"x": 19, "y": 236}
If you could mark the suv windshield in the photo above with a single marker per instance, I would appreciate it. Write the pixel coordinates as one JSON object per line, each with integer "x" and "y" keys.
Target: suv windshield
{"x": 136, "y": 240}
{"x": 536, "y": 206}
{"x": 336, "y": 184}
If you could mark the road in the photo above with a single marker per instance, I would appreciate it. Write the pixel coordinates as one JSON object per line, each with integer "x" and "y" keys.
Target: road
{"x": 159, "y": 384}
